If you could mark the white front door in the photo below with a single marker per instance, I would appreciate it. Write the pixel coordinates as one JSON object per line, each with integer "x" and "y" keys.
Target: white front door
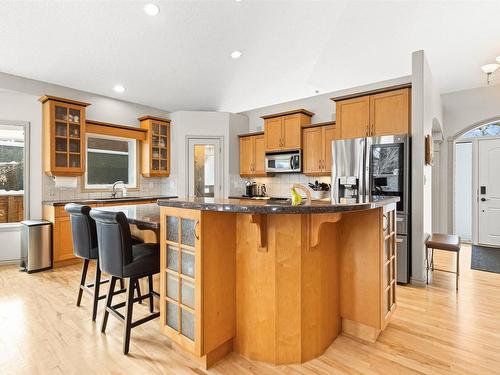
{"x": 488, "y": 185}
{"x": 205, "y": 168}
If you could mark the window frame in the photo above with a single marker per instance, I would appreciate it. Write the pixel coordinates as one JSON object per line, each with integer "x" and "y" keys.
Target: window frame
{"x": 133, "y": 165}
{"x": 27, "y": 168}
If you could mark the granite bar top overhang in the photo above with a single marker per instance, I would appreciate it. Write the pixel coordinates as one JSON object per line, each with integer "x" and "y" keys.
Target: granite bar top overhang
{"x": 247, "y": 206}
{"x": 63, "y": 202}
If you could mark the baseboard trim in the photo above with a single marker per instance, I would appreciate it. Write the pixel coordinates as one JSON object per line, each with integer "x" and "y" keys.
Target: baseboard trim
{"x": 9, "y": 262}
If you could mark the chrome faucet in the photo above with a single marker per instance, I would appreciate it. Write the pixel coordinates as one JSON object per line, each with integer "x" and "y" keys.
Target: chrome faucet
{"x": 113, "y": 189}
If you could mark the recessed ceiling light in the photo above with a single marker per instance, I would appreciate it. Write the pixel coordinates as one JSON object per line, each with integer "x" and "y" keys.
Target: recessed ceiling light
{"x": 238, "y": 1}
{"x": 236, "y": 54}
{"x": 119, "y": 88}
{"x": 151, "y": 9}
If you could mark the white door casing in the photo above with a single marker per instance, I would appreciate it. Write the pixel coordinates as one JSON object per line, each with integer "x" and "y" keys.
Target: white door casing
{"x": 214, "y": 167}
{"x": 488, "y": 192}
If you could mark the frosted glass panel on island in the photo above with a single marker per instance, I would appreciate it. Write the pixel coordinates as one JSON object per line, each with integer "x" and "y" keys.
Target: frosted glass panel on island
{"x": 172, "y": 287}
{"x": 187, "y": 232}
{"x": 188, "y": 263}
{"x": 172, "y": 258}
{"x": 172, "y": 316}
{"x": 187, "y": 293}
{"x": 187, "y": 324}
{"x": 172, "y": 228}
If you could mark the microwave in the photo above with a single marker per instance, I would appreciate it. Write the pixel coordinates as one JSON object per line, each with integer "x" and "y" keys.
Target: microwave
{"x": 286, "y": 162}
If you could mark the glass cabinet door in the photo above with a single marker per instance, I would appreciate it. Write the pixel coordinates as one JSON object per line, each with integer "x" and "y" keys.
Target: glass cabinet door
{"x": 181, "y": 277}
{"x": 67, "y": 136}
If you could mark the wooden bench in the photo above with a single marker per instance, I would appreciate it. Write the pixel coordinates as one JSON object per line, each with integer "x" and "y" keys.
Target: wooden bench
{"x": 446, "y": 242}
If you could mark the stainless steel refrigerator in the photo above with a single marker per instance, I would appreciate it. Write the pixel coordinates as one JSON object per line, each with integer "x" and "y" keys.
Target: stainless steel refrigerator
{"x": 377, "y": 166}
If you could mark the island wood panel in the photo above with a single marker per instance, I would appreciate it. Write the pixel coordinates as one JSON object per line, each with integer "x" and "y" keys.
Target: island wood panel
{"x": 287, "y": 296}
{"x": 360, "y": 269}
{"x": 255, "y": 293}
{"x": 390, "y": 112}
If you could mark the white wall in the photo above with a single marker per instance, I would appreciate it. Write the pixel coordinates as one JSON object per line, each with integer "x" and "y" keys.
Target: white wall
{"x": 206, "y": 124}
{"x": 462, "y": 110}
{"x": 19, "y": 102}
{"x": 463, "y": 191}
{"x": 426, "y": 115}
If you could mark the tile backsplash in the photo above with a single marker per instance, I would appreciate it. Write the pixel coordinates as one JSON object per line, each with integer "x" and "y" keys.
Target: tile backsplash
{"x": 277, "y": 186}
{"x": 147, "y": 187}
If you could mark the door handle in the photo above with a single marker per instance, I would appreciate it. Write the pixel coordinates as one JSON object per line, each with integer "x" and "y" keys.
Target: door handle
{"x": 483, "y": 199}
{"x": 196, "y": 225}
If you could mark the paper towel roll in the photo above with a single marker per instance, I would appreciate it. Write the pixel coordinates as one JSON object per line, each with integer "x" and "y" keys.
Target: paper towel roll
{"x": 65, "y": 182}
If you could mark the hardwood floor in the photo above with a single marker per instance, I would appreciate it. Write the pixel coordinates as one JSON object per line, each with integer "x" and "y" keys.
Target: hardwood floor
{"x": 434, "y": 331}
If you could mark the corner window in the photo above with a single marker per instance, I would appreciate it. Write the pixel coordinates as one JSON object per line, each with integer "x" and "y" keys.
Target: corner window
{"x": 110, "y": 159}
{"x": 12, "y": 173}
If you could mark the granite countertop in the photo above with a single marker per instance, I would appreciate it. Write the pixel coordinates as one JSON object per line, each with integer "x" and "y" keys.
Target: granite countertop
{"x": 105, "y": 200}
{"x": 271, "y": 206}
{"x": 145, "y": 216}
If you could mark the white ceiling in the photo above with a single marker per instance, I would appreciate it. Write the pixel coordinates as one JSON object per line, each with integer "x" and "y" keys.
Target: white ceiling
{"x": 179, "y": 60}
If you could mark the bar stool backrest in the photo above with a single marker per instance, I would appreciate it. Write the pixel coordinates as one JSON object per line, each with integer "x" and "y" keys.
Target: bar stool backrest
{"x": 84, "y": 231}
{"x": 114, "y": 241}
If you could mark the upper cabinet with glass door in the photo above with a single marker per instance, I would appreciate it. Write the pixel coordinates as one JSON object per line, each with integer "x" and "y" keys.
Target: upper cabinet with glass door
{"x": 155, "y": 150}
{"x": 63, "y": 136}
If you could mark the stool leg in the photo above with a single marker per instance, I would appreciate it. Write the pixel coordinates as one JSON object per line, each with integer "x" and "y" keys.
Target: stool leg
{"x": 97, "y": 285}
{"x": 139, "y": 295}
{"x": 426, "y": 265}
{"x": 85, "y": 268}
{"x": 122, "y": 284}
{"x": 458, "y": 267}
{"x": 432, "y": 259}
{"x": 128, "y": 315}
{"x": 150, "y": 285}
{"x": 109, "y": 301}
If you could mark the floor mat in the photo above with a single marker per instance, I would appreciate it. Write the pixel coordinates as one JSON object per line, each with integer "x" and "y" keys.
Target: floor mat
{"x": 485, "y": 259}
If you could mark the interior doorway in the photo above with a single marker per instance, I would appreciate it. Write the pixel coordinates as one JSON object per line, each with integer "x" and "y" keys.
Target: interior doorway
{"x": 476, "y": 198}
{"x": 205, "y": 167}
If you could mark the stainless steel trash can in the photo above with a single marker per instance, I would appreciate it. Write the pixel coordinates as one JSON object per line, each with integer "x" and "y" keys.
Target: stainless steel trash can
{"x": 36, "y": 245}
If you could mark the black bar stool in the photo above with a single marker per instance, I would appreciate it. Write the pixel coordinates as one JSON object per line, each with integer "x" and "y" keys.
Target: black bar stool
{"x": 121, "y": 259}
{"x": 84, "y": 233}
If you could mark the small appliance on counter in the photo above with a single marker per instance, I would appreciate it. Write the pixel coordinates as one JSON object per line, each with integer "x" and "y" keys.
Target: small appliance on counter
{"x": 284, "y": 162}
{"x": 36, "y": 245}
{"x": 253, "y": 189}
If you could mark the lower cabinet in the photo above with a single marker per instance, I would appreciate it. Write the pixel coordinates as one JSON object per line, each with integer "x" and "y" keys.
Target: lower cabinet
{"x": 388, "y": 263}
{"x": 62, "y": 239}
{"x": 197, "y": 289}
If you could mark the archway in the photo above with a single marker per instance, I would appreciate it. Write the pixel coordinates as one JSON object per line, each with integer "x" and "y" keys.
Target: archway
{"x": 462, "y": 177}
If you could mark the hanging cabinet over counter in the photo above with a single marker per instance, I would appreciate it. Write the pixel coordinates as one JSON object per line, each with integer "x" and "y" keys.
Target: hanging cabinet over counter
{"x": 252, "y": 155}
{"x": 379, "y": 113}
{"x": 283, "y": 131}
{"x": 155, "y": 150}
{"x": 63, "y": 124}
{"x": 317, "y": 154}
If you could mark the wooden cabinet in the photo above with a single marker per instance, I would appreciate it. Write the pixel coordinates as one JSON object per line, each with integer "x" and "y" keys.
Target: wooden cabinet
{"x": 283, "y": 131}
{"x": 317, "y": 155}
{"x": 390, "y": 112}
{"x": 388, "y": 263}
{"x": 197, "y": 281}
{"x": 378, "y": 114}
{"x": 155, "y": 150}
{"x": 62, "y": 240}
{"x": 252, "y": 155}
{"x": 63, "y": 147}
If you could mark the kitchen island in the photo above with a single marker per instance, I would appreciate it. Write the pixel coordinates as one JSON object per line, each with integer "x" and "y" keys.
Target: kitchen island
{"x": 275, "y": 282}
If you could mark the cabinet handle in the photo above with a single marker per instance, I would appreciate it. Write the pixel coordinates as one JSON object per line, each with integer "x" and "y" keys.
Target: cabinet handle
{"x": 196, "y": 229}
{"x": 367, "y": 131}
